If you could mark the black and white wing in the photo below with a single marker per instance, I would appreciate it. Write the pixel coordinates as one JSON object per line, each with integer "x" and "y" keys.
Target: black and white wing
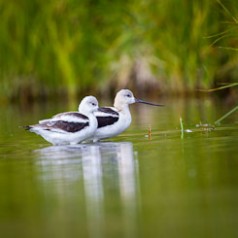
{"x": 106, "y": 116}
{"x": 64, "y": 115}
{"x": 65, "y": 122}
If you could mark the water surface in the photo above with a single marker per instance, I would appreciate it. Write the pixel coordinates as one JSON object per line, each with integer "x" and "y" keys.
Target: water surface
{"x": 140, "y": 184}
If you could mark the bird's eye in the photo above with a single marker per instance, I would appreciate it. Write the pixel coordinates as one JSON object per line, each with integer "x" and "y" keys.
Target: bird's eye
{"x": 94, "y": 104}
{"x": 128, "y": 95}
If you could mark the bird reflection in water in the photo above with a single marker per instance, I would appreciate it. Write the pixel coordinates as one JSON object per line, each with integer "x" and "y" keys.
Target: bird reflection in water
{"x": 100, "y": 166}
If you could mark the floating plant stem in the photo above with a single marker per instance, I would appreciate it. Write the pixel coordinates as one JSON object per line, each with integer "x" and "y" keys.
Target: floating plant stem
{"x": 226, "y": 115}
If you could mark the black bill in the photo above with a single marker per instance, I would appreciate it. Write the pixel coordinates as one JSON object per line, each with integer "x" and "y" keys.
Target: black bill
{"x": 148, "y": 103}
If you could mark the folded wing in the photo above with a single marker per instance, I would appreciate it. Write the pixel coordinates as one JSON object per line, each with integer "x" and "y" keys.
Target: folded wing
{"x": 106, "y": 116}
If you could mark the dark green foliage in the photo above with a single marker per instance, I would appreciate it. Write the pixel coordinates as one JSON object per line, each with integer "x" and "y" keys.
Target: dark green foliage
{"x": 69, "y": 46}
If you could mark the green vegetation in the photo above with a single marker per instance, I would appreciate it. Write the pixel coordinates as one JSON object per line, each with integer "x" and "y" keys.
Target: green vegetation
{"x": 181, "y": 127}
{"x": 68, "y": 46}
{"x": 217, "y": 122}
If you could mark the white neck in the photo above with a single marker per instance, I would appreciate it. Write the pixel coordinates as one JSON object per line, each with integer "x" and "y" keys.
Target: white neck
{"x": 92, "y": 119}
{"x": 121, "y": 106}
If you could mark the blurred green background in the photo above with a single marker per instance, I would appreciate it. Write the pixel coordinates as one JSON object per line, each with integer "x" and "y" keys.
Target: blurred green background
{"x": 68, "y": 47}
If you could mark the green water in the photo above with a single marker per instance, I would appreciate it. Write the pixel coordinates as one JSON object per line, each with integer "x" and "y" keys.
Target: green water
{"x": 168, "y": 185}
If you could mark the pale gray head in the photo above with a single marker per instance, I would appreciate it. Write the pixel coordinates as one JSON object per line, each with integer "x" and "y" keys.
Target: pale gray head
{"x": 125, "y": 97}
{"x": 88, "y": 104}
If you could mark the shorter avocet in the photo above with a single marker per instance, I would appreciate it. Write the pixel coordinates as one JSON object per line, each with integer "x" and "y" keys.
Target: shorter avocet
{"x": 69, "y": 127}
{"x": 114, "y": 120}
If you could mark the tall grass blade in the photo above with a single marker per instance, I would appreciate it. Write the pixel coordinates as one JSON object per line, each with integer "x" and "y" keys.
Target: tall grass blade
{"x": 217, "y": 122}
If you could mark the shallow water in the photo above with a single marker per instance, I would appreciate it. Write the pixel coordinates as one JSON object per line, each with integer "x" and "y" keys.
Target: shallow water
{"x": 163, "y": 184}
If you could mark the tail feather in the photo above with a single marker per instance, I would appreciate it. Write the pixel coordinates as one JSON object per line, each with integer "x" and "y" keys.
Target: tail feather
{"x": 26, "y": 127}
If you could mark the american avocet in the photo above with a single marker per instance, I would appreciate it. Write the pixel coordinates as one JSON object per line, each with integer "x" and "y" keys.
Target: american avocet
{"x": 114, "y": 120}
{"x": 69, "y": 127}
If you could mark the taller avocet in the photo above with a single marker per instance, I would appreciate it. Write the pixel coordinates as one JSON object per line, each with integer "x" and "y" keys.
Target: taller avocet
{"x": 114, "y": 120}
{"x": 69, "y": 127}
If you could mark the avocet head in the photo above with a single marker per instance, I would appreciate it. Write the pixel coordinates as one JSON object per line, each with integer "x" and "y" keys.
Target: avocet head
{"x": 125, "y": 97}
{"x": 89, "y": 104}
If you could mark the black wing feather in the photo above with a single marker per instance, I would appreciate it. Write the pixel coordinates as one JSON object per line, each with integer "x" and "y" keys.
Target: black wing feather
{"x": 106, "y": 121}
{"x": 108, "y": 110}
{"x": 111, "y": 116}
{"x": 66, "y": 126}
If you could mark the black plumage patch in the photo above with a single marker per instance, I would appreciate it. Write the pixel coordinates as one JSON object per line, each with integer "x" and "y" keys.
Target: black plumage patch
{"x": 27, "y": 127}
{"x": 108, "y": 110}
{"x": 66, "y": 126}
{"x": 106, "y": 121}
